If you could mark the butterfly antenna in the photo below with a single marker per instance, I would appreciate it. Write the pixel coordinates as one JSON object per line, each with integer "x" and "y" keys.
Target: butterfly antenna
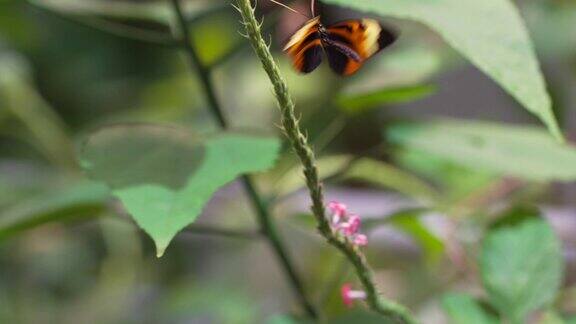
{"x": 313, "y": 8}
{"x": 287, "y": 7}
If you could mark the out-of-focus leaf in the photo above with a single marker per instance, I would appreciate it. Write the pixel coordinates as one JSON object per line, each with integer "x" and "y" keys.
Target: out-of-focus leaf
{"x": 525, "y": 152}
{"x": 148, "y": 21}
{"x": 358, "y": 103}
{"x": 388, "y": 176}
{"x": 400, "y": 68}
{"x": 22, "y": 101}
{"x": 285, "y": 319}
{"x": 84, "y": 199}
{"x": 490, "y": 33}
{"x": 571, "y": 320}
{"x": 195, "y": 303}
{"x": 165, "y": 175}
{"x": 545, "y": 19}
{"x": 152, "y": 10}
{"x": 360, "y": 317}
{"x": 455, "y": 182}
{"x": 551, "y": 317}
{"x": 15, "y": 28}
{"x": 407, "y": 72}
{"x": 463, "y": 309}
{"x": 216, "y": 37}
{"x": 521, "y": 267}
{"x": 410, "y": 223}
{"x": 6, "y": 308}
{"x": 516, "y": 215}
{"x": 281, "y": 319}
{"x": 293, "y": 179}
{"x": 22, "y": 179}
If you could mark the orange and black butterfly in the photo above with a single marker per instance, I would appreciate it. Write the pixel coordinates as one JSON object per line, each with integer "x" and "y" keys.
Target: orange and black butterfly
{"x": 347, "y": 44}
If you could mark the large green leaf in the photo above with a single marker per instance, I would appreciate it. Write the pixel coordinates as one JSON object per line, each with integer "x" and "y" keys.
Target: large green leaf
{"x": 525, "y": 152}
{"x": 463, "y": 309}
{"x": 165, "y": 175}
{"x": 521, "y": 267}
{"x": 490, "y": 33}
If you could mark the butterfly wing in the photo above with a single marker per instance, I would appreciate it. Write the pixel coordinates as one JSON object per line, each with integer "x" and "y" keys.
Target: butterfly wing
{"x": 305, "y": 47}
{"x": 352, "y": 42}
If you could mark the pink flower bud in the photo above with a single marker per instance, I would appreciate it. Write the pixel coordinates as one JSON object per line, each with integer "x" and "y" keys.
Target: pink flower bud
{"x": 349, "y": 295}
{"x": 360, "y": 240}
{"x": 352, "y": 226}
{"x": 337, "y": 208}
{"x": 338, "y": 211}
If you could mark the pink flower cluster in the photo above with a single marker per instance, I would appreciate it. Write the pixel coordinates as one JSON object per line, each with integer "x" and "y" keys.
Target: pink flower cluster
{"x": 346, "y": 223}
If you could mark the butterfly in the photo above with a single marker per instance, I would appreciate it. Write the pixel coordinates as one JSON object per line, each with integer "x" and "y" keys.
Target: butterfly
{"x": 347, "y": 44}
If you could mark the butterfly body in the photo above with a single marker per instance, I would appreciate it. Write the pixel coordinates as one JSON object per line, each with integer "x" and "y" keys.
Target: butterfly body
{"x": 347, "y": 45}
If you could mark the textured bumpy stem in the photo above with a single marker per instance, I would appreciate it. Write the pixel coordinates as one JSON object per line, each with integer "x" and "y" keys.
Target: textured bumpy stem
{"x": 265, "y": 220}
{"x": 299, "y": 142}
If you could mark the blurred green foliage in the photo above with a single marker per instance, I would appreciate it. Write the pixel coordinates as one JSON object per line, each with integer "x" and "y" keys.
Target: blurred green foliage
{"x": 438, "y": 198}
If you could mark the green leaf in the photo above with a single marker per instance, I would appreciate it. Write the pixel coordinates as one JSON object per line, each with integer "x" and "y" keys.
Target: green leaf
{"x": 216, "y": 38}
{"x": 153, "y": 11}
{"x": 165, "y": 175}
{"x": 358, "y": 103}
{"x": 213, "y": 300}
{"x": 521, "y": 267}
{"x": 388, "y": 176}
{"x": 21, "y": 100}
{"x": 524, "y": 152}
{"x": 408, "y": 71}
{"x": 551, "y": 317}
{"x": 285, "y": 319}
{"x": 490, "y": 33}
{"x": 455, "y": 182}
{"x": 411, "y": 224}
{"x": 403, "y": 67}
{"x": 361, "y": 317}
{"x": 545, "y": 19}
{"x": 281, "y": 319}
{"x": 84, "y": 199}
{"x": 143, "y": 20}
{"x": 328, "y": 166}
{"x": 463, "y": 309}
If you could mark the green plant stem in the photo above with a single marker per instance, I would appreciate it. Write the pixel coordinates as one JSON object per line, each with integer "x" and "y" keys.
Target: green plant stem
{"x": 265, "y": 220}
{"x": 388, "y": 309}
